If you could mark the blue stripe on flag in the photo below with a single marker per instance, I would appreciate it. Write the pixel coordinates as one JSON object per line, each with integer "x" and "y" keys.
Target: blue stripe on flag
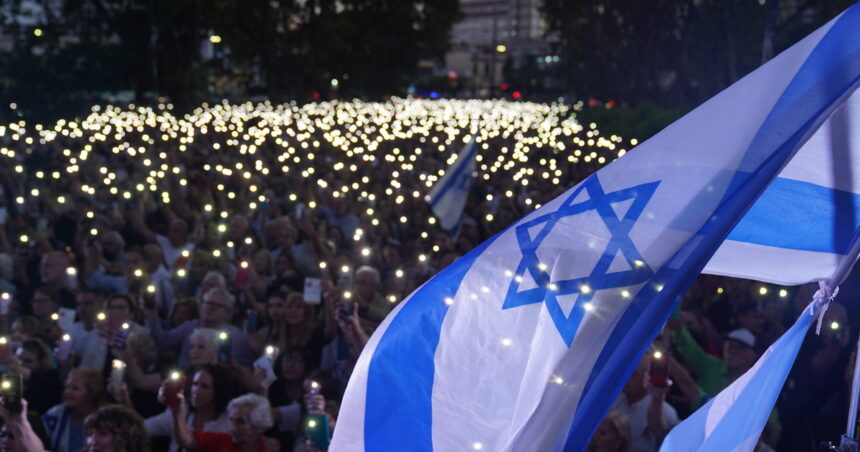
{"x": 398, "y": 407}
{"x": 462, "y": 163}
{"x": 750, "y": 410}
{"x": 799, "y": 215}
{"x": 808, "y": 97}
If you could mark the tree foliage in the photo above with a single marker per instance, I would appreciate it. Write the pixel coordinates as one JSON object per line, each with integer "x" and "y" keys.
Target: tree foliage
{"x": 282, "y": 49}
{"x": 674, "y": 52}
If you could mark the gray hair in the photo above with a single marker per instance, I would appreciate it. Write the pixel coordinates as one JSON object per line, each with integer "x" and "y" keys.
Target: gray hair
{"x": 377, "y": 278}
{"x": 209, "y": 335}
{"x": 260, "y": 415}
{"x": 222, "y": 281}
{"x": 229, "y": 299}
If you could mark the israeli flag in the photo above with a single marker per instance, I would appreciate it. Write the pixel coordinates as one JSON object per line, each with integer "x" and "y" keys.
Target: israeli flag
{"x": 448, "y": 196}
{"x": 524, "y": 343}
{"x": 733, "y": 420}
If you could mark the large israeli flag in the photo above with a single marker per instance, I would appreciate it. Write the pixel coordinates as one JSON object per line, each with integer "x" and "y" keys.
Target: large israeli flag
{"x": 525, "y": 342}
{"x": 449, "y": 194}
{"x": 733, "y": 420}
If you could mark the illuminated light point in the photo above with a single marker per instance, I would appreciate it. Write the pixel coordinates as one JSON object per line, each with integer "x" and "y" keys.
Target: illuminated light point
{"x": 720, "y": 290}
{"x": 552, "y": 286}
{"x": 478, "y": 446}
{"x": 625, "y": 294}
{"x": 658, "y": 354}
{"x": 449, "y": 301}
{"x": 783, "y": 293}
{"x": 834, "y": 325}
{"x": 507, "y": 342}
{"x": 312, "y": 423}
{"x": 215, "y": 39}
{"x": 762, "y": 290}
{"x": 638, "y": 263}
{"x": 542, "y": 267}
{"x": 323, "y": 265}
{"x": 501, "y": 48}
{"x": 588, "y": 307}
{"x": 584, "y": 289}
{"x": 37, "y": 32}
{"x": 557, "y": 380}
{"x": 398, "y": 273}
{"x": 344, "y": 269}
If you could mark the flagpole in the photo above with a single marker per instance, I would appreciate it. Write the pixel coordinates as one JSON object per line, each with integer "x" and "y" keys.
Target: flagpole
{"x": 838, "y": 277}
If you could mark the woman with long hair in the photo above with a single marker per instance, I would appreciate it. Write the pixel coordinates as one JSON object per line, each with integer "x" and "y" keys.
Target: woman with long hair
{"x": 292, "y": 324}
{"x": 207, "y": 394}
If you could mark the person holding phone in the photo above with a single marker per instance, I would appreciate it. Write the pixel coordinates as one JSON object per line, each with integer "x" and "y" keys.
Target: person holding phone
{"x": 114, "y": 332}
{"x": 215, "y": 313}
{"x": 250, "y": 416}
{"x": 22, "y": 430}
{"x": 644, "y": 403}
{"x": 207, "y": 394}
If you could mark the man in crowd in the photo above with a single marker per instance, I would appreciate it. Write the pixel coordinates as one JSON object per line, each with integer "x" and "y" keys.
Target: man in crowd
{"x": 215, "y": 313}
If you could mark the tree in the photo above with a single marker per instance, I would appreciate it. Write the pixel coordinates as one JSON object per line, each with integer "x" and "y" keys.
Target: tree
{"x": 674, "y": 52}
{"x": 372, "y": 47}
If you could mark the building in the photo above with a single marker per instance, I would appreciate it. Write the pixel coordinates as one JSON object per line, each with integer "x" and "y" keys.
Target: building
{"x": 494, "y": 37}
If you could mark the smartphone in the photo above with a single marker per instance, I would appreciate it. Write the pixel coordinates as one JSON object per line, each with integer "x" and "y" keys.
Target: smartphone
{"x": 241, "y": 277}
{"x": 224, "y": 347}
{"x": 121, "y": 336}
{"x": 251, "y": 321}
{"x": 346, "y": 306}
{"x": 174, "y": 385}
{"x": 117, "y": 375}
{"x": 659, "y": 372}
{"x": 5, "y": 349}
{"x": 12, "y": 386}
{"x": 64, "y": 349}
{"x": 318, "y": 430}
{"x": 149, "y": 297}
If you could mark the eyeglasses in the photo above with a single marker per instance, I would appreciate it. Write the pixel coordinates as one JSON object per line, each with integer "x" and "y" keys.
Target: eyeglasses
{"x": 214, "y": 304}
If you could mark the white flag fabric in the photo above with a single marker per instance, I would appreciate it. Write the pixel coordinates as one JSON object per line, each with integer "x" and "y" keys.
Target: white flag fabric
{"x": 734, "y": 419}
{"x": 449, "y": 194}
{"x": 801, "y": 227}
{"x": 524, "y": 343}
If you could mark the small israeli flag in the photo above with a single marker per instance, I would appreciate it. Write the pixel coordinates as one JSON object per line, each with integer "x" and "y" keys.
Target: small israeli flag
{"x": 525, "y": 342}
{"x": 448, "y": 196}
{"x": 734, "y": 419}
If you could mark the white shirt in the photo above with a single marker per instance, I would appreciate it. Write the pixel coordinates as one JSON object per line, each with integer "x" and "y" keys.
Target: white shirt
{"x": 643, "y": 440}
{"x": 171, "y": 253}
{"x": 81, "y": 338}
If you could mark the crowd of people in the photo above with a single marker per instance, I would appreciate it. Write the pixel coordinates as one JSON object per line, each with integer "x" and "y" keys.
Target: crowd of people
{"x": 208, "y": 282}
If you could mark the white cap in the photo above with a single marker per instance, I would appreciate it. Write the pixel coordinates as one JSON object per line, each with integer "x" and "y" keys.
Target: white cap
{"x": 744, "y": 336}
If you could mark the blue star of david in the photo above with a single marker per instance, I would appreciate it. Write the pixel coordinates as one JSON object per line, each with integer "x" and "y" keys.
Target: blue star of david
{"x": 547, "y": 291}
